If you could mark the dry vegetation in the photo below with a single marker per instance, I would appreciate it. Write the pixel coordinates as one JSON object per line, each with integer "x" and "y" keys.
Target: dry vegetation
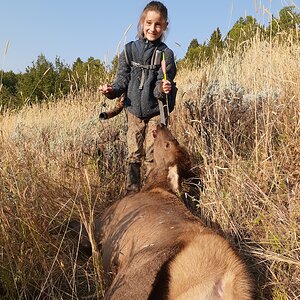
{"x": 240, "y": 119}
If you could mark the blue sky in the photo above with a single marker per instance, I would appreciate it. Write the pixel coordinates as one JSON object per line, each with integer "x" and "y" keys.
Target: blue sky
{"x": 71, "y": 29}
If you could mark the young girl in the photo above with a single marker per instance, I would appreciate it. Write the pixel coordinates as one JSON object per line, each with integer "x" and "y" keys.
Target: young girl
{"x": 143, "y": 80}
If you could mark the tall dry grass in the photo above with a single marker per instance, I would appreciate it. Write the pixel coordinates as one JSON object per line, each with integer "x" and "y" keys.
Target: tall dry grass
{"x": 49, "y": 174}
{"x": 239, "y": 118}
{"x": 245, "y": 129}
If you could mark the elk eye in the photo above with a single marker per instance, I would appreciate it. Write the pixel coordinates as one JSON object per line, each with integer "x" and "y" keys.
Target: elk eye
{"x": 167, "y": 145}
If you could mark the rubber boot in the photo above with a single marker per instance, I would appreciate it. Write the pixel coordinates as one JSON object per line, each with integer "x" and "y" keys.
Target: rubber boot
{"x": 133, "y": 183}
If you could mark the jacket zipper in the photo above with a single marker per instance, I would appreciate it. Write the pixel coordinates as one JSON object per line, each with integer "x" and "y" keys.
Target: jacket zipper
{"x": 144, "y": 62}
{"x": 145, "y": 48}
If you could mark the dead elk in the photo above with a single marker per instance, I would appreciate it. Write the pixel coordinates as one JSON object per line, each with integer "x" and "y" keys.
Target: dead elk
{"x": 154, "y": 248}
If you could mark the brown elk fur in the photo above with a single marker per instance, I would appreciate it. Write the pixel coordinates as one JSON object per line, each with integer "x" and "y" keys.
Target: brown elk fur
{"x": 154, "y": 248}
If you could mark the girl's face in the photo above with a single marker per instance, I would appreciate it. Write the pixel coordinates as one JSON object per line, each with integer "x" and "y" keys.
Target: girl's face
{"x": 154, "y": 25}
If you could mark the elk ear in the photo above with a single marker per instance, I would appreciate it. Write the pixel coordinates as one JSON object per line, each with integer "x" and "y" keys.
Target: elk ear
{"x": 173, "y": 176}
{"x": 219, "y": 289}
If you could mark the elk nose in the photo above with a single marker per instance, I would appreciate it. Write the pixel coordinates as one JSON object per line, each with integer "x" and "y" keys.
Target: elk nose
{"x": 154, "y": 133}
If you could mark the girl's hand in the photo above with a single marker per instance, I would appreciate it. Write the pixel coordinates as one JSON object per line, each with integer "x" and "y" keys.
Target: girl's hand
{"x": 105, "y": 89}
{"x": 166, "y": 86}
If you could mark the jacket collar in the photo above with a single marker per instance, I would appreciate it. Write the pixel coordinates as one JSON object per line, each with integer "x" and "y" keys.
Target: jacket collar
{"x": 154, "y": 43}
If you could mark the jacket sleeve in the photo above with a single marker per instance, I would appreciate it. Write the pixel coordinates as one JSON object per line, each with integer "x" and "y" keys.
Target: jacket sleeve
{"x": 171, "y": 73}
{"x": 119, "y": 86}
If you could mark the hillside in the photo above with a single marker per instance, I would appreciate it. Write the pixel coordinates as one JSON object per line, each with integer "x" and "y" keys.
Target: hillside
{"x": 239, "y": 117}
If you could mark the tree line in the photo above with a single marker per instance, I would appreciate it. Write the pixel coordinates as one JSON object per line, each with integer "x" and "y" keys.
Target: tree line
{"x": 285, "y": 28}
{"x": 47, "y": 81}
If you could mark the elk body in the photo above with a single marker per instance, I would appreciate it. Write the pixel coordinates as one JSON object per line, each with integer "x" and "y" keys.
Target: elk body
{"x": 154, "y": 248}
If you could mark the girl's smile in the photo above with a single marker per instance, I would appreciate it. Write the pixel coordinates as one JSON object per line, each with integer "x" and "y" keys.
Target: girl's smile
{"x": 154, "y": 25}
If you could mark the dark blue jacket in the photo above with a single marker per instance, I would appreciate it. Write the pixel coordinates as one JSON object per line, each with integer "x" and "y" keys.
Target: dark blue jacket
{"x": 142, "y": 85}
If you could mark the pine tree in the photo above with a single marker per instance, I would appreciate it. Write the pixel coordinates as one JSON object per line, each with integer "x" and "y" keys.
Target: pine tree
{"x": 287, "y": 22}
{"x": 38, "y": 82}
{"x": 244, "y": 30}
{"x": 215, "y": 44}
{"x": 9, "y": 97}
